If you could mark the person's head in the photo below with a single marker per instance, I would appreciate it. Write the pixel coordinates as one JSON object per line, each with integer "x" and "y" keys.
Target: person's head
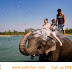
{"x": 53, "y": 21}
{"x": 46, "y": 20}
{"x": 59, "y": 11}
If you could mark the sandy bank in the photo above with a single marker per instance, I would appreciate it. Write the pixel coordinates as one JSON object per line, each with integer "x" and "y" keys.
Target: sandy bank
{"x": 9, "y": 35}
{"x": 5, "y": 35}
{"x": 68, "y": 34}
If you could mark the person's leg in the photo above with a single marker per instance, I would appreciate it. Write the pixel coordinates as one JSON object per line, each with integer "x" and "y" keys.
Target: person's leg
{"x": 59, "y": 29}
{"x": 53, "y": 33}
{"x": 63, "y": 31}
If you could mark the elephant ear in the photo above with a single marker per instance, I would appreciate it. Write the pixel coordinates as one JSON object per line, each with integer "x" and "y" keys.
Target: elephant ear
{"x": 51, "y": 46}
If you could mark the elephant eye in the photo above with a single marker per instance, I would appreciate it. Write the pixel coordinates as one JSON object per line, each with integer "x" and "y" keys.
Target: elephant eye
{"x": 39, "y": 47}
{"x": 39, "y": 42}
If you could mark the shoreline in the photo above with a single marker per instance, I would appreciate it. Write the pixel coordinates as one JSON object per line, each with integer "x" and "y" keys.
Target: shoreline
{"x": 23, "y": 35}
{"x": 9, "y": 35}
{"x": 68, "y": 35}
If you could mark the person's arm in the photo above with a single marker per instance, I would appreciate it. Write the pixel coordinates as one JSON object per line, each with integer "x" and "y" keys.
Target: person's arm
{"x": 64, "y": 19}
{"x": 42, "y": 27}
{"x": 54, "y": 27}
{"x": 56, "y": 19}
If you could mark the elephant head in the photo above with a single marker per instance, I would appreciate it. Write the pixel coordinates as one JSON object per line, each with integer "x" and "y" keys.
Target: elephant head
{"x": 36, "y": 45}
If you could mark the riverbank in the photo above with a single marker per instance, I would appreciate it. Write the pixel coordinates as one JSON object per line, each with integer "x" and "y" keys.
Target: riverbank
{"x": 5, "y": 35}
{"x": 9, "y": 35}
{"x": 68, "y": 34}
{"x": 23, "y": 35}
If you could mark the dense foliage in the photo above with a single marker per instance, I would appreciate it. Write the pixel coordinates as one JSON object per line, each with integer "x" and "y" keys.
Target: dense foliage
{"x": 67, "y": 31}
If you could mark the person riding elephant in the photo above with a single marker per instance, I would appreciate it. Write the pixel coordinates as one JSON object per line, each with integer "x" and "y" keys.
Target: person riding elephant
{"x": 50, "y": 29}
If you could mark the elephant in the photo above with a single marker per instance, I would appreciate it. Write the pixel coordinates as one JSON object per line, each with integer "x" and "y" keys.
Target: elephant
{"x": 38, "y": 47}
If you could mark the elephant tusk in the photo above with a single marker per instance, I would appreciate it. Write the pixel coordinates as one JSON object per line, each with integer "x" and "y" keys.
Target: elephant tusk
{"x": 33, "y": 55}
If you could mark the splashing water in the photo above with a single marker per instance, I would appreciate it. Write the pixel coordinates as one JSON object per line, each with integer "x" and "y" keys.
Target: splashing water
{"x": 42, "y": 34}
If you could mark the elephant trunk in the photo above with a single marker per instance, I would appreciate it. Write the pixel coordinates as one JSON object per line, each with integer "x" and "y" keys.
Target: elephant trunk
{"x": 23, "y": 43}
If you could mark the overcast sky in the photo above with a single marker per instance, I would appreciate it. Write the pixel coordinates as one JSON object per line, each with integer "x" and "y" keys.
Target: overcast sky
{"x": 21, "y": 14}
